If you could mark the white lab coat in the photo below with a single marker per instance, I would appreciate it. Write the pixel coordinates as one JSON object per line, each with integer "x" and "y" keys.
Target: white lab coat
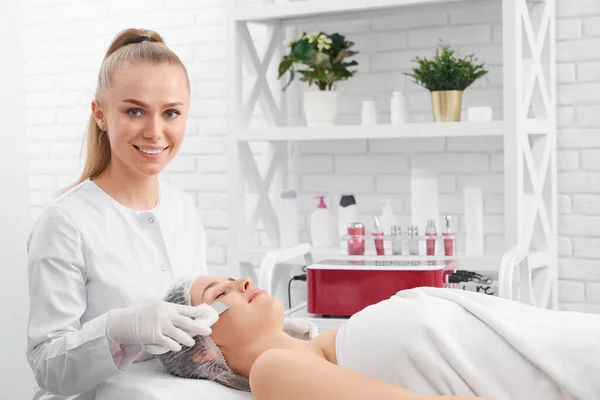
{"x": 88, "y": 254}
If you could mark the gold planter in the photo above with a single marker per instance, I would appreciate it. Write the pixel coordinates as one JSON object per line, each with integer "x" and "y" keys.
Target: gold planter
{"x": 446, "y": 105}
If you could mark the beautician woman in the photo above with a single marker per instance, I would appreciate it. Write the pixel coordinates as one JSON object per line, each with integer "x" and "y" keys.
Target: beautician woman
{"x": 104, "y": 253}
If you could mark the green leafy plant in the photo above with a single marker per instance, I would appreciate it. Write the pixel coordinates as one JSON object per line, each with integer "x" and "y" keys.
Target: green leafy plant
{"x": 447, "y": 70}
{"x": 320, "y": 59}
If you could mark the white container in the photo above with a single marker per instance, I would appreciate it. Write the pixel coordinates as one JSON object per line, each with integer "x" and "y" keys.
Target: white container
{"x": 347, "y": 213}
{"x": 398, "y": 108}
{"x": 388, "y": 218}
{"x": 321, "y": 107}
{"x": 473, "y": 199}
{"x": 479, "y": 114}
{"x": 424, "y": 200}
{"x": 323, "y": 232}
{"x": 288, "y": 219}
{"x": 368, "y": 113}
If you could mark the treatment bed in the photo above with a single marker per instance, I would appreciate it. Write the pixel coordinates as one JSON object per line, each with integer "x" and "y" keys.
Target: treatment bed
{"x": 148, "y": 380}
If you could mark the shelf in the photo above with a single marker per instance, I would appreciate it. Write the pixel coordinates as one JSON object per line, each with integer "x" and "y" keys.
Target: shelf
{"x": 319, "y": 8}
{"x": 380, "y": 131}
{"x": 472, "y": 262}
{"x": 513, "y": 126}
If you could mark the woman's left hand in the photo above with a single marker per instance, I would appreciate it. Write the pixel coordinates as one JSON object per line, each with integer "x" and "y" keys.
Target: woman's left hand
{"x": 300, "y": 328}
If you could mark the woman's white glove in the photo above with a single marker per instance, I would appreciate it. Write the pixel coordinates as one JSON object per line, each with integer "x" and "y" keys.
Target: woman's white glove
{"x": 300, "y": 328}
{"x": 163, "y": 324}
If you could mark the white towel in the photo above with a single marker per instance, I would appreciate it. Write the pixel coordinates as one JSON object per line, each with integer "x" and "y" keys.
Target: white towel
{"x": 453, "y": 342}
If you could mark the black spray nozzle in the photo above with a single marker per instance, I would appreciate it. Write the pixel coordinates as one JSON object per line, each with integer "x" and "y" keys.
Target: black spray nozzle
{"x": 347, "y": 200}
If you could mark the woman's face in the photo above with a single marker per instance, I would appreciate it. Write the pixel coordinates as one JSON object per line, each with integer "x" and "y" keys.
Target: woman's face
{"x": 144, "y": 114}
{"x": 252, "y": 311}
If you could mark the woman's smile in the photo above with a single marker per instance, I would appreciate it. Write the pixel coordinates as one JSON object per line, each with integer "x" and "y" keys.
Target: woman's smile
{"x": 151, "y": 152}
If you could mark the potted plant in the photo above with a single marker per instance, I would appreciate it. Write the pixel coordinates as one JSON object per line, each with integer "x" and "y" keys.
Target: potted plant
{"x": 446, "y": 76}
{"x": 322, "y": 60}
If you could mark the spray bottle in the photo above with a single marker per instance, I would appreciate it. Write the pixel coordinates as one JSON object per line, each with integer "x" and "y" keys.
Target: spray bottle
{"x": 430, "y": 233}
{"x": 448, "y": 237}
{"x": 413, "y": 240}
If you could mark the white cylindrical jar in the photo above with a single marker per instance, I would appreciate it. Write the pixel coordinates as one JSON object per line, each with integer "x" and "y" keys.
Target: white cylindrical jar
{"x": 368, "y": 113}
{"x": 398, "y": 108}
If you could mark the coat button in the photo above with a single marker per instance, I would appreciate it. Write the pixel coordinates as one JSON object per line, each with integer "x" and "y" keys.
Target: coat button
{"x": 163, "y": 268}
{"x": 151, "y": 220}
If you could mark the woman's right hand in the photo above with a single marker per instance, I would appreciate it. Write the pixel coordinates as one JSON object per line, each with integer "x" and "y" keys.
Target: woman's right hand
{"x": 162, "y": 324}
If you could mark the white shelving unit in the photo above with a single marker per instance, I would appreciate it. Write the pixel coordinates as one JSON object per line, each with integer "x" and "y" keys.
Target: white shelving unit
{"x": 528, "y": 129}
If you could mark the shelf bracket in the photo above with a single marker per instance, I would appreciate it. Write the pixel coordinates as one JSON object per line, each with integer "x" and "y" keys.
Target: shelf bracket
{"x": 264, "y": 210}
{"x": 536, "y": 45}
{"x": 259, "y": 68}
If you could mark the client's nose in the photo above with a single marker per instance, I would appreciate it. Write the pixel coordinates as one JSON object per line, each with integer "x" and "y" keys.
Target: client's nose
{"x": 244, "y": 284}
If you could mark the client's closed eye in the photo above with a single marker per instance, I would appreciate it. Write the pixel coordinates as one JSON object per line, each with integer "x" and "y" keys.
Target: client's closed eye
{"x": 222, "y": 294}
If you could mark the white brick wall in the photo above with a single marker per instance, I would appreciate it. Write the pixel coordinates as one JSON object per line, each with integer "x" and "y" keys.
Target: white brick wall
{"x": 60, "y": 78}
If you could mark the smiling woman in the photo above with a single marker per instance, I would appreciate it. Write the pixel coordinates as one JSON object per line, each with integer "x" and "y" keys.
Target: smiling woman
{"x": 139, "y": 113}
{"x": 103, "y": 254}
{"x": 144, "y": 132}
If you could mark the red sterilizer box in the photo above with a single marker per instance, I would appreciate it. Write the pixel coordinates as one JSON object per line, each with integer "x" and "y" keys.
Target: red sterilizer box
{"x": 344, "y": 287}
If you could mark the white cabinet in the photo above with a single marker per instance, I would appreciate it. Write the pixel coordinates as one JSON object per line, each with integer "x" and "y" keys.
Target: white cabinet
{"x": 528, "y": 128}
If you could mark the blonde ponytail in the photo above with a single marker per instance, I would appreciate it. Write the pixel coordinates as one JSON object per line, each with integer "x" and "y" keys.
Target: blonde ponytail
{"x": 98, "y": 152}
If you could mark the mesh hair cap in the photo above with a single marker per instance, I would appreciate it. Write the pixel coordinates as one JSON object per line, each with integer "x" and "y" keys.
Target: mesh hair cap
{"x": 204, "y": 360}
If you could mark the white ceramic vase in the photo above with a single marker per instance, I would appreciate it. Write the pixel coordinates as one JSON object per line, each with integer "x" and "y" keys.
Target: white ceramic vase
{"x": 321, "y": 107}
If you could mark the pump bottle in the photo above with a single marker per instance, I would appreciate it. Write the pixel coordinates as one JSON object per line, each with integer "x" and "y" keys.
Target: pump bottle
{"x": 323, "y": 230}
{"x": 448, "y": 237}
{"x": 431, "y": 233}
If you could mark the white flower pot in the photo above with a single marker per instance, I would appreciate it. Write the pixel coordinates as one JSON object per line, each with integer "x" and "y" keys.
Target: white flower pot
{"x": 321, "y": 107}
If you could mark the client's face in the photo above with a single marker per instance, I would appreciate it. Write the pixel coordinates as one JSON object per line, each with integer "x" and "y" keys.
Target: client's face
{"x": 252, "y": 311}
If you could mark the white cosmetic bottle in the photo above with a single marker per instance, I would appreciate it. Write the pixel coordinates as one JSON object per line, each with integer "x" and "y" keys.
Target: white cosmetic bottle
{"x": 347, "y": 214}
{"x": 473, "y": 198}
{"x": 322, "y": 226}
{"x": 398, "y": 109}
{"x": 288, "y": 219}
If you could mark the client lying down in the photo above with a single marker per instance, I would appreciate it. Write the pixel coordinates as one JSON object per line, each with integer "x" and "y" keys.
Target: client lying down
{"x": 419, "y": 343}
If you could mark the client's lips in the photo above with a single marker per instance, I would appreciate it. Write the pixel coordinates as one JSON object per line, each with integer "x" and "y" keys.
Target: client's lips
{"x": 254, "y": 294}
